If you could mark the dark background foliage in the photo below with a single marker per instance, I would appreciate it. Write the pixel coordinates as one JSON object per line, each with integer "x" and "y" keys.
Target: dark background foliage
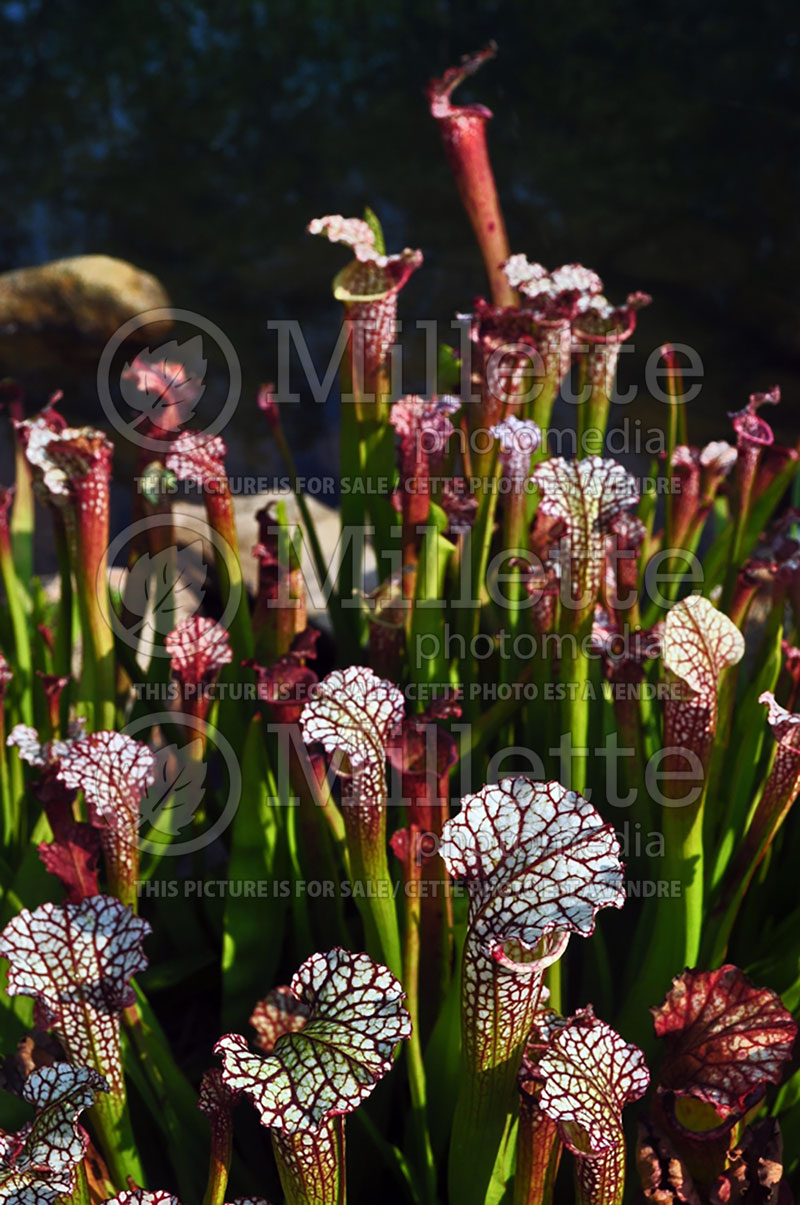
{"x": 657, "y": 143}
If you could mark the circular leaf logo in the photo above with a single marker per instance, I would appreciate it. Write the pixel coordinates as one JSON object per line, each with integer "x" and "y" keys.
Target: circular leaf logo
{"x": 161, "y": 587}
{"x": 180, "y": 813}
{"x": 160, "y": 389}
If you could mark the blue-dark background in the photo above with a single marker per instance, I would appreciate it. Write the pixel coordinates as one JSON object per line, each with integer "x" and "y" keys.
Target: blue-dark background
{"x": 657, "y": 143}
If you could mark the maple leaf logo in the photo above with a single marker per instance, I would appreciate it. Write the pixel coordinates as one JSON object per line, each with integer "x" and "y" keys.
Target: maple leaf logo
{"x": 162, "y": 586}
{"x": 173, "y": 799}
{"x": 165, "y": 385}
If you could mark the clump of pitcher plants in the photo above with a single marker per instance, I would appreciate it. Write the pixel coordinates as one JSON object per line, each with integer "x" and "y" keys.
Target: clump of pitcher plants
{"x": 476, "y": 882}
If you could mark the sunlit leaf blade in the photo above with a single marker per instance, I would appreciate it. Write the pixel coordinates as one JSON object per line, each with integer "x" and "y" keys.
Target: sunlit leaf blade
{"x": 161, "y": 584}
{"x": 355, "y": 1019}
{"x": 76, "y": 961}
{"x": 37, "y": 1164}
{"x": 178, "y": 787}
{"x": 725, "y": 1039}
{"x": 251, "y": 952}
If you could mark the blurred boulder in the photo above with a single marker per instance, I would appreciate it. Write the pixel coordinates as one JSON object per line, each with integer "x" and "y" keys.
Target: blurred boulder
{"x": 68, "y": 309}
